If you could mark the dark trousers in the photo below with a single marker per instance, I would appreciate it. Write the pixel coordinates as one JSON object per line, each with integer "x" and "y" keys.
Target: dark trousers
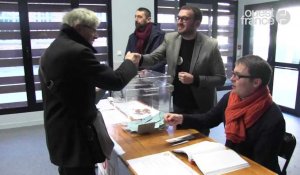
{"x": 180, "y": 110}
{"x": 77, "y": 170}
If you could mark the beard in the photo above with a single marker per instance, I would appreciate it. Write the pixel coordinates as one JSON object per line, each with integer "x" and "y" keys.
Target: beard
{"x": 184, "y": 31}
{"x": 140, "y": 26}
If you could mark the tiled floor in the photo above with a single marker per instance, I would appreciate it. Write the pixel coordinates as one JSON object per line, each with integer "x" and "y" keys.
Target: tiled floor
{"x": 23, "y": 152}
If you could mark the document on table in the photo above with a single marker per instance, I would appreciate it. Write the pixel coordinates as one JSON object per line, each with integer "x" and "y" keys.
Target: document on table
{"x": 114, "y": 117}
{"x": 110, "y": 114}
{"x": 160, "y": 164}
{"x": 136, "y": 110}
{"x": 219, "y": 162}
{"x": 104, "y": 105}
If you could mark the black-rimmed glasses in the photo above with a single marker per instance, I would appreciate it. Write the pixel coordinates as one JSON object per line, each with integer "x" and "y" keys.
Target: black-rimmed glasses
{"x": 183, "y": 18}
{"x": 239, "y": 76}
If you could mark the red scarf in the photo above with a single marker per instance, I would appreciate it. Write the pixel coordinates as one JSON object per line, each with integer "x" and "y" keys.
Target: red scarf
{"x": 142, "y": 35}
{"x": 241, "y": 114}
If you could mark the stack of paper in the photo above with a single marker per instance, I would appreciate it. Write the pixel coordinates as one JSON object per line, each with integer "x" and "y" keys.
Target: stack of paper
{"x": 157, "y": 121}
{"x": 219, "y": 162}
{"x": 136, "y": 110}
{"x": 110, "y": 114}
{"x": 213, "y": 158}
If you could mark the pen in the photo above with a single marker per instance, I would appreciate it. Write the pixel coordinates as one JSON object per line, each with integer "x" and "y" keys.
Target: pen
{"x": 179, "y": 143}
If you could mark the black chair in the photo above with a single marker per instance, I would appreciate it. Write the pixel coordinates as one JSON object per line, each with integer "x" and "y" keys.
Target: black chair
{"x": 286, "y": 150}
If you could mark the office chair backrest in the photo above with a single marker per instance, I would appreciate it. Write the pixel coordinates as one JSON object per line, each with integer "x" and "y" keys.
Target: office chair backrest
{"x": 286, "y": 150}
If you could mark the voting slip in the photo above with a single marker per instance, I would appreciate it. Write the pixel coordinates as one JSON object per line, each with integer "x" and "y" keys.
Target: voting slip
{"x": 146, "y": 125}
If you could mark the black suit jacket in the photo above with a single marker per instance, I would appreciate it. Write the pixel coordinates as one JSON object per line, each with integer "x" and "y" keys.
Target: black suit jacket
{"x": 71, "y": 73}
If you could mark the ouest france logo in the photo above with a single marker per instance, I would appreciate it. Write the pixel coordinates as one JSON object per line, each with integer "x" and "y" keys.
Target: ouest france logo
{"x": 265, "y": 17}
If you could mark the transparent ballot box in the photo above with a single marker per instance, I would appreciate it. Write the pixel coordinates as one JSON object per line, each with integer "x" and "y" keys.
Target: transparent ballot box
{"x": 149, "y": 88}
{"x": 152, "y": 76}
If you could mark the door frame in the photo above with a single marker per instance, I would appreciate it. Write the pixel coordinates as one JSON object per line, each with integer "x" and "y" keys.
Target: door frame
{"x": 248, "y": 42}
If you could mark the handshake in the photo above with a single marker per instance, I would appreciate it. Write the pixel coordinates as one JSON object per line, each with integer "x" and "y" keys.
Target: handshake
{"x": 134, "y": 57}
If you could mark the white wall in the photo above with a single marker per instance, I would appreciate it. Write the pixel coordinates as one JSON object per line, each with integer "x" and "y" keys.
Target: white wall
{"x": 242, "y": 4}
{"x": 21, "y": 119}
{"x": 123, "y": 24}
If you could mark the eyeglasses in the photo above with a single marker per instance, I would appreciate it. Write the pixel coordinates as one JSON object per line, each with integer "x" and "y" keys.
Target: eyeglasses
{"x": 238, "y": 76}
{"x": 183, "y": 18}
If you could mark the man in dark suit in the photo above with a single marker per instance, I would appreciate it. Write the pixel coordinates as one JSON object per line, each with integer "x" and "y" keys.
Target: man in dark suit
{"x": 69, "y": 73}
{"x": 194, "y": 63}
{"x": 146, "y": 37}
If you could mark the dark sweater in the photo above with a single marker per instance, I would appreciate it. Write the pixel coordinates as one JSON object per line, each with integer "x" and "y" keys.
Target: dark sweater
{"x": 263, "y": 139}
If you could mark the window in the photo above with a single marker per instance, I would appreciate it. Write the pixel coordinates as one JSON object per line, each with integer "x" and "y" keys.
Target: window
{"x": 226, "y": 33}
{"x": 167, "y": 11}
{"x": 24, "y": 35}
{"x": 268, "y": 29}
{"x": 44, "y": 19}
{"x": 12, "y": 73}
{"x": 102, "y": 42}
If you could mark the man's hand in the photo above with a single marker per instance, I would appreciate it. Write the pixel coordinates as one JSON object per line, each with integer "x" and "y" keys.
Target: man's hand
{"x": 134, "y": 57}
{"x": 173, "y": 119}
{"x": 185, "y": 78}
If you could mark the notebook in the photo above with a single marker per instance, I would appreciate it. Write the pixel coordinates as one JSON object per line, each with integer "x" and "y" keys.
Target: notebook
{"x": 213, "y": 158}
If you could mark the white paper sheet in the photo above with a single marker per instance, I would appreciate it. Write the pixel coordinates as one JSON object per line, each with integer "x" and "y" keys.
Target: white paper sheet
{"x": 104, "y": 105}
{"x": 160, "y": 164}
{"x": 219, "y": 162}
{"x": 114, "y": 117}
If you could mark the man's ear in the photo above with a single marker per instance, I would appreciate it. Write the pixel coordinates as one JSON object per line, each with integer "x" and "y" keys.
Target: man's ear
{"x": 197, "y": 23}
{"x": 257, "y": 82}
{"x": 148, "y": 19}
{"x": 78, "y": 28}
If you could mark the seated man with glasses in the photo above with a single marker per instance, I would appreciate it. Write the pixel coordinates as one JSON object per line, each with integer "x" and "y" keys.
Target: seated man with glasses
{"x": 194, "y": 63}
{"x": 254, "y": 125}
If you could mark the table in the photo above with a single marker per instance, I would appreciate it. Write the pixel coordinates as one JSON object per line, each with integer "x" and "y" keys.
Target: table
{"x": 136, "y": 146}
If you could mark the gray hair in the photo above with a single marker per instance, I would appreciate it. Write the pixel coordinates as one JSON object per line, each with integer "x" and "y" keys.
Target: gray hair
{"x": 81, "y": 16}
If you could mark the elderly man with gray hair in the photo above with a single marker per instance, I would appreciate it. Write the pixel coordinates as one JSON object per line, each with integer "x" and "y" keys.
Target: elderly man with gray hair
{"x": 69, "y": 73}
